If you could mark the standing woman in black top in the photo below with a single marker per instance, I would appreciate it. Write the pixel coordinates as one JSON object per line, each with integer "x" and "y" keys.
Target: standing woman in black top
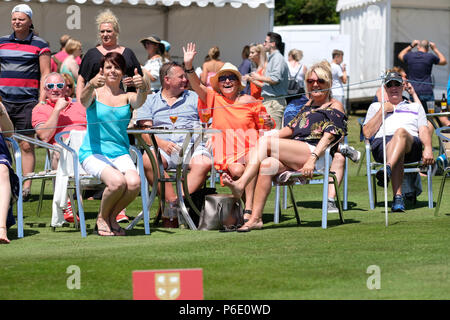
{"x": 108, "y": 27}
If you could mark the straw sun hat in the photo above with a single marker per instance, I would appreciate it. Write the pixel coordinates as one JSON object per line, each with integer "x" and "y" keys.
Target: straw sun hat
{"x": 227, "y": 67}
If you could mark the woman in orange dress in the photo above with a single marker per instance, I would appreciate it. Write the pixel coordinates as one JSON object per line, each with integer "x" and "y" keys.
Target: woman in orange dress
{"x": 258, "y": 56}
{"x": 238, "y": 116}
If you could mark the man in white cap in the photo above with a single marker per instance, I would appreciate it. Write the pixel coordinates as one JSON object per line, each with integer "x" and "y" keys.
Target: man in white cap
{"x": 25, "y": 61}
{"x": 406, "y": 133}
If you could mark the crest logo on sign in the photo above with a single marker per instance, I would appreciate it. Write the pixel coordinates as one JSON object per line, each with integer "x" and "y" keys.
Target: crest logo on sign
{"x": 167, "y": 285}
{"x": 173, "y": 284}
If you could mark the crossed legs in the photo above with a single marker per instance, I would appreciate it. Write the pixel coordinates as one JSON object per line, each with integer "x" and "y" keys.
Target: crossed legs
{"x": 270, "y": 157}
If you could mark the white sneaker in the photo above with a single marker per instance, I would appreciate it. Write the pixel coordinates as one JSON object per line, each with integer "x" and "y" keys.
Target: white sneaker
{"x": 350, "y": 152}
{"x": 331, "y": 207}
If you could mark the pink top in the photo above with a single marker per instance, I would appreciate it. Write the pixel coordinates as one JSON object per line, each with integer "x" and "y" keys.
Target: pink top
{"x": 73, "y": 117}
{"x": 61, "y": 56}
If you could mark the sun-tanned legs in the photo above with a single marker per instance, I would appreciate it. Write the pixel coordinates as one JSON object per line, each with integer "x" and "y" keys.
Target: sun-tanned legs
{"x": 270, "y": 157}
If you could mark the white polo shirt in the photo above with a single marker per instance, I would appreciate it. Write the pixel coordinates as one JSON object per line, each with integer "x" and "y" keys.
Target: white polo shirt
{"x": 410, "y": 116}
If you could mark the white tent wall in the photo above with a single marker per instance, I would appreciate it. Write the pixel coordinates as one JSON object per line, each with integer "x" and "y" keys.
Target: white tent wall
{"x": 408, "y": 24}
{"x": 227, "y": 27}
{"x": 376, "y": 25}
{"x": 368, "y": 38}
{"x": 316, "y": 41}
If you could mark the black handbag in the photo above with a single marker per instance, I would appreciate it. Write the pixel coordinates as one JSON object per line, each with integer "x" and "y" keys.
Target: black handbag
{"x": 294, "y": 86}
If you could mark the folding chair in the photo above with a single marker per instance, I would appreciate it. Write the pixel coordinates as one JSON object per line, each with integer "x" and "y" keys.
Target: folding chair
{"x": 17, "y": 158}
{"x": 372, "y": 168}
{"x": 46, "y": 174}
{"x": 325, "y": 175}
{"x": 444, "y": 137}
{"x": 79, "y": 180}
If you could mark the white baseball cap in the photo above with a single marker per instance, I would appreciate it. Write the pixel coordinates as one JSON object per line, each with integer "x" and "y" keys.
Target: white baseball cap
{"x": 23, "y": 8}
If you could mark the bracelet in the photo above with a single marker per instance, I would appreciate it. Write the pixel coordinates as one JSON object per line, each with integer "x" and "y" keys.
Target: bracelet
{"x": 189, "y": 70}
{"x": 315, "y": 155}
{"x": 42, "y": 102}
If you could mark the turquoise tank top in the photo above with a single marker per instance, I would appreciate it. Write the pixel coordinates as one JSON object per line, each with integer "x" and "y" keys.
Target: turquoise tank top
{"x": 64, "y": 69}
{"x": 106, "y": 131}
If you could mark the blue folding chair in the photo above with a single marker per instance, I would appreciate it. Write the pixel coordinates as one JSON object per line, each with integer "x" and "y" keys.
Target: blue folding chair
{"x": 444, "y": 137}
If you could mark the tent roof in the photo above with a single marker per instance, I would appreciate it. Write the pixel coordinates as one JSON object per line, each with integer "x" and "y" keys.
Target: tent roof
{"x": 349, "y": 4}
{"x": 343, "y": 5}
{"x": 185, "y": 3}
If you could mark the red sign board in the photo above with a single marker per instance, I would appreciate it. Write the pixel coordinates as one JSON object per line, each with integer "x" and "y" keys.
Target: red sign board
{"x": 175, "y": 284}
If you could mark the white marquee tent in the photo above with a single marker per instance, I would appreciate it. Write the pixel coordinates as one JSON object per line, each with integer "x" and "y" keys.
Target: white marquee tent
{"x": 379, "y": 27}
{"x": 229, "y": 24}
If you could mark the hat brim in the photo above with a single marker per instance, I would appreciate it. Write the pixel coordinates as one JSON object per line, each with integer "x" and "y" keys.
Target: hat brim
{"x": 396, "y": 80}
{"x": 215, "y": 79}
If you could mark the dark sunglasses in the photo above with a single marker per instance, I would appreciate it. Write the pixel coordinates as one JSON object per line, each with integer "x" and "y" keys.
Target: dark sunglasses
{"x": 51, "y": 86}
{"x": 230, "y": 77}
{"x": 393, "y": 84}
{"x": 311, "y": 81}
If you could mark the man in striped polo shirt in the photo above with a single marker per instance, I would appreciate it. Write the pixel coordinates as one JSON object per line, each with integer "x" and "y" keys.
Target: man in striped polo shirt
{"x": 24, "y": 62}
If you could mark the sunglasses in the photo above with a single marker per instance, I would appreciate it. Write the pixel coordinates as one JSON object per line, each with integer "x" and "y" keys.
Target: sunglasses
{"x": 393, "y": 84}
{"x": 311, "y": 81}
{"x": 51, "y": 86}
{"x": 230, "y": 77}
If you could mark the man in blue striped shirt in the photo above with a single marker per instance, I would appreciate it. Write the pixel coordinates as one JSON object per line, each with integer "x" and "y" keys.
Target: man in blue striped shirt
{"x": 24, "y": 62}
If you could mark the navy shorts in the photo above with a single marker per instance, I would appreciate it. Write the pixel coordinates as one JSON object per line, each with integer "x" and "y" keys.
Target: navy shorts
{"x": 414, "y": 155}
{"x": 20, "y": 115}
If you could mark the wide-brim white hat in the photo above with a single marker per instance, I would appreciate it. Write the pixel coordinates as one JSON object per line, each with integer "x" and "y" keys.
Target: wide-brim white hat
{"x": 227, "y": 67}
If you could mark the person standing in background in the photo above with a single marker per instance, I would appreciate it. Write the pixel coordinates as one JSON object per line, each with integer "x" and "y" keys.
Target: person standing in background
{"x": 420, "y": 65}
{"x": 25, "y": 62}
{"x": 245, "y": 67}
{"x": 339, "y": 74}
{"x": 275, "y": 78}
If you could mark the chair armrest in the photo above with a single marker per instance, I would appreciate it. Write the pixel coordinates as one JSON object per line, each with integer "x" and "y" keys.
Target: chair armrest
{"x": 37, "y": 142}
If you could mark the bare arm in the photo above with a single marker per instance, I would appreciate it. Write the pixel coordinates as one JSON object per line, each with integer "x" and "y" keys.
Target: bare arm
{"x": 344, "y": 74}
{"x": 407, "y": 49}
{"x": 45, "y": 131}
{"x": 44, "y": 66}
{"x": 138, "y": 99}
{"x": 189, "y": 54}
{"x": 5, "y": 122}
{"x": 374, "y": 124}
{"x": 442, "y": 60}
{"x": 87, "y": 94}
{"x": 425, "y": 138}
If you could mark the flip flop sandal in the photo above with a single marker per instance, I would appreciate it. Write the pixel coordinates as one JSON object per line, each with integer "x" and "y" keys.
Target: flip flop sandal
{"x": 97, "y": 232}
{"x": 119, "y": 231}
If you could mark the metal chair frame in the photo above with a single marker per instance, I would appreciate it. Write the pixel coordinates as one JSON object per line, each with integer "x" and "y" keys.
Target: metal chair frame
{"x": 446, "y": 172}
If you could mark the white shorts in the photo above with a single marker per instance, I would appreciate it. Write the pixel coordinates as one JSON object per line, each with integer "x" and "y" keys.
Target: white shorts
{"x": 95, "y": 164}
{"x": 320, "y": 163}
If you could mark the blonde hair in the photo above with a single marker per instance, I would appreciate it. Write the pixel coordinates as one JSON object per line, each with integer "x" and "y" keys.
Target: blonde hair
{"x": 107, "y": 16}
{"x": 69, "y": 82}
{"x": 261, "y": 52}
{"x": 72, "y": 45}
{"x": 296, "y": 54}
{"x": 214, "y": 53}
{"x": 323, "y": 71}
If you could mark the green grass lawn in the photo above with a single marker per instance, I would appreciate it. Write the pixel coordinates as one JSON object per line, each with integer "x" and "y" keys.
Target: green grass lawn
{"x": 282, "y": 261}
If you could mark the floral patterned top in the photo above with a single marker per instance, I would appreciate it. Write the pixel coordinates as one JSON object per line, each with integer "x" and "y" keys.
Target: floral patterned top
{"x": 312, "y": 122}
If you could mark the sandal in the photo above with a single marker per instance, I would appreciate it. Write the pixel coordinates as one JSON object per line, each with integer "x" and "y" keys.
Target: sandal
{"x": 97, "y": 232}
{"x": 26, "y": 194}
{"x": 246, "y": 228}
{"x": 120, "y": 231}
{"x": 249, "y": 213}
